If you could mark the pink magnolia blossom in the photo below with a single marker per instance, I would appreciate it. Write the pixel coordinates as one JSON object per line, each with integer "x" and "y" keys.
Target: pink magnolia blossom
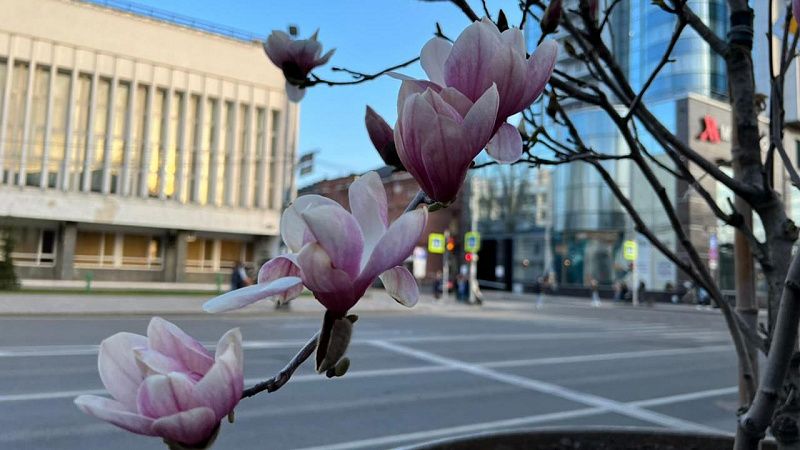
{"x": 439, "y": 132}
{"x": 482, "y": 56}
{"x": 338, "y": 254}
{"x": 296, "y": 58}
{"x": 167, "y": 384}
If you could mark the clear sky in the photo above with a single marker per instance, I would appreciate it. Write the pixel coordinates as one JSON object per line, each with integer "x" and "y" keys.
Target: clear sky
{"x": 369, "y": 35}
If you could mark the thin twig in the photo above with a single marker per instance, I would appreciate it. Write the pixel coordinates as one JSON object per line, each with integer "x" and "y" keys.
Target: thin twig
{"x": 276, "y": 382}
{"x": 360, "y": 77}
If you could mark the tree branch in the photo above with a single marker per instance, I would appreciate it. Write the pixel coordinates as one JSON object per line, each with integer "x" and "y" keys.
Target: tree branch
{"x": 360, "y": 77}
{"x": 276, "y": 382}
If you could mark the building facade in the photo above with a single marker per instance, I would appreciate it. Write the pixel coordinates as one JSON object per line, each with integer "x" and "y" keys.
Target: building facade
{"x": 586, "y": 227}
{"x": 136, "y": 148}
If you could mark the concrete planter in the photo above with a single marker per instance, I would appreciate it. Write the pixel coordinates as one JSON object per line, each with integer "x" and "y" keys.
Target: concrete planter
{"x": 586, "y": 438}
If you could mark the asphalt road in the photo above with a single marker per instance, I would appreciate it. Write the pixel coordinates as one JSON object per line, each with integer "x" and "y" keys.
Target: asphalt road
{"x": 414, "y": 377}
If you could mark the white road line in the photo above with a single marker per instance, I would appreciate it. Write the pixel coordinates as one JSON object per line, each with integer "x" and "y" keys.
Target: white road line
{"x": 78, "y": 350}
{"x": 550, "y": 389}
{"x": 400, "y": 371}
{"x": 462, "y": 429}
{"x": 510, "y": 423}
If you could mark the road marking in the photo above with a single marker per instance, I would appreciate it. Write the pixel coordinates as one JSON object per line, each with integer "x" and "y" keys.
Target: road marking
{"x": 79, "y": 350}
{"x": 550, "y": 389}
{"x": 415, "y": 370}
{"x": 516, "y": 422}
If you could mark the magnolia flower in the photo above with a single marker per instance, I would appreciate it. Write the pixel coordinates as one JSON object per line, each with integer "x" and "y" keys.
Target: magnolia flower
{"x": 296, "y": 58}
{"x": 438, "y": 134}
{"x": 338, "y": 254}
{"x": 551, "y": 17}
{"x": 382, "y": 137}
{"x": 482, "y": 56}
{"x": 167, "y": 384}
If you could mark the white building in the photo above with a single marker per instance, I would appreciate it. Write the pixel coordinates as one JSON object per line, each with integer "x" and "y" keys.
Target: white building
{"x": 137, "y": 147}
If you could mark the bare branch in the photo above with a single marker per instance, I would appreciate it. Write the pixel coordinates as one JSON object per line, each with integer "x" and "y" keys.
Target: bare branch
{"x": 360, "y": 77}
{"x": 715, "y": 42}
{"x": 282, "y": 377}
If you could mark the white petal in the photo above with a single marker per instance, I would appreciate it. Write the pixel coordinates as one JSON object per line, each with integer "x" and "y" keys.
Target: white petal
{"x": 506, "y": 145}
{"x": 401, "y": 285}
{"x": 432, "y": 58}
{"x": 240, "y": 298}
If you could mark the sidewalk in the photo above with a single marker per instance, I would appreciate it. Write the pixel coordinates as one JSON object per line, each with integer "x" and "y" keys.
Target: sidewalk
{"x": 38, "y": 303}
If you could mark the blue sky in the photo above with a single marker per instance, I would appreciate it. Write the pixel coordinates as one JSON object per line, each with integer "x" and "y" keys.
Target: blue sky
{"x": 369, "y": 35}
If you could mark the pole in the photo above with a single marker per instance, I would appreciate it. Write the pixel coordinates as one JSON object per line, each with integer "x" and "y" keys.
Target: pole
{"x": 635, "y": 278}
{"x": 445, "y": 266}
{"x": 473, "y": 264}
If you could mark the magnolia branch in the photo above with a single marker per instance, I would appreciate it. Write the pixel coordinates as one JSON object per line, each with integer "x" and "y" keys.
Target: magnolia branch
{"x": 283, "y": 377}
{"x": 360, "y": 77}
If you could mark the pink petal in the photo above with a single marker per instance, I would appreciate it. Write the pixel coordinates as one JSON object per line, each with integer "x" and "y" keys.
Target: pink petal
{"x": 338, "y": 232}
{"x": 331, "y": 286}
{"x": 277, "y": 48}
{"x": 432, "y": 58}
{"x": 540, "y": 67}
{"x": 325, "y": 58}
{"x": 457, "y": 100}
{"x": 280, "y": 267}
{"x": 380, "y": 133}
{"x": 116, "y": 413}
{"x": 190, "y": 427}
{"x": 304, "y": 53}
{"x": 508, "y": 71}
{"x": 164, "y": 395}
{"x": 294, "y": 93}
{"x": 152, "y": 362}
{"x": 394, "y": 247}
{"x": 469, "y": 64}
{"x": 506, "y": 145}
{"x": 411, "y": 86}
{"x": 441, "y": 107}
{"x": 165, "y": 337}
{"x": 401, "y": 285}
{"x": 369, "y": 207}
{"x": 480, "y": 120}
{"x": 294, "y": 230}
{"x": 221, "y": 388}
{"x": 117, "y": 366}
{"x": 240, "y": 298}
{"x": 514, "y": 38}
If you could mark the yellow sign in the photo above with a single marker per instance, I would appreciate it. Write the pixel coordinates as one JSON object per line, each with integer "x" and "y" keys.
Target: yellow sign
{"x": 436, "y": 243}
{"x": 630, "y": 251}
{"x": 472, "y": 242}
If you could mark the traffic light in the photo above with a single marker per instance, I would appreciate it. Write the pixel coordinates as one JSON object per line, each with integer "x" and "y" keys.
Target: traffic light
{"x": 451, "y": 244}
{"x": 468, "y": 257}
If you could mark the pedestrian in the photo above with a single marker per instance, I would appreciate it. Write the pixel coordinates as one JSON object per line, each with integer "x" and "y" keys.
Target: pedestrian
{"x": 239, "y": 278}
{"x": 543, "y": 283}
{"x": 462, "y": 289}
{"x": 595, "y": 293}
{"x": 437, "y": 285}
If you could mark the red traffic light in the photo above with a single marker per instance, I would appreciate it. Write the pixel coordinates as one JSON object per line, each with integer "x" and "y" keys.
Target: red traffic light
{"x": 468, "y": 257}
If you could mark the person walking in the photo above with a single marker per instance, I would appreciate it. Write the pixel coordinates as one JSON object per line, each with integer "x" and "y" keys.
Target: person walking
{"x": 239, "y": 278}
{"x": 543, "y": 283}
{"x": 595, "y": 293}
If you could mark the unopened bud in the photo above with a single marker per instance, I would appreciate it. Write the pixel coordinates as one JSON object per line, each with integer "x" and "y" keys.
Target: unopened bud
{"x": 551, "y": 17}
{"x": 333, "y": 341}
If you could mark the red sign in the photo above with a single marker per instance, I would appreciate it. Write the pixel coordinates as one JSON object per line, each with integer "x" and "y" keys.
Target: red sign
{"x": 711, "y": 131}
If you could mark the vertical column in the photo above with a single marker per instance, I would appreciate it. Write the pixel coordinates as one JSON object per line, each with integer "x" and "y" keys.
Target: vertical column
{"x": 197, "y": 147}
{"x": 213, "y": 173}
{"x": 267, "y": 157}
{"x": 262, "y": 144}
{"x": 4, "y": 108}
{"x": 294, "y": 132}
{"x": 48, "y": 121}
{"x": 281, "y": 157}
{"x": 144, "y": 171}
{"x": 128, "y": 149}
{"x": 110, "y": 130}
{"x": 249, "y": 148}
{"x": 182, "y": 170}
{"x": 166, "y": 136}
{"x": 231, "y": 145}
{"x": 69, "y": 145}
{"x": 26, "y": 125}
{"x": 86, "y": 183}
{"x": 65, "y": 254}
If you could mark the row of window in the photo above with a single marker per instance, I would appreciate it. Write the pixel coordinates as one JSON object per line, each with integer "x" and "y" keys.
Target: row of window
{"x": 36, "y": 247}
{"x": 135, "y": 139}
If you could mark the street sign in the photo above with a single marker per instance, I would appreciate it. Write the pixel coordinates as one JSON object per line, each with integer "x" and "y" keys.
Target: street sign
{"x": 472, "y": 242}
{"x": 436, "y": 243}
{"x": 629, "y": 250}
